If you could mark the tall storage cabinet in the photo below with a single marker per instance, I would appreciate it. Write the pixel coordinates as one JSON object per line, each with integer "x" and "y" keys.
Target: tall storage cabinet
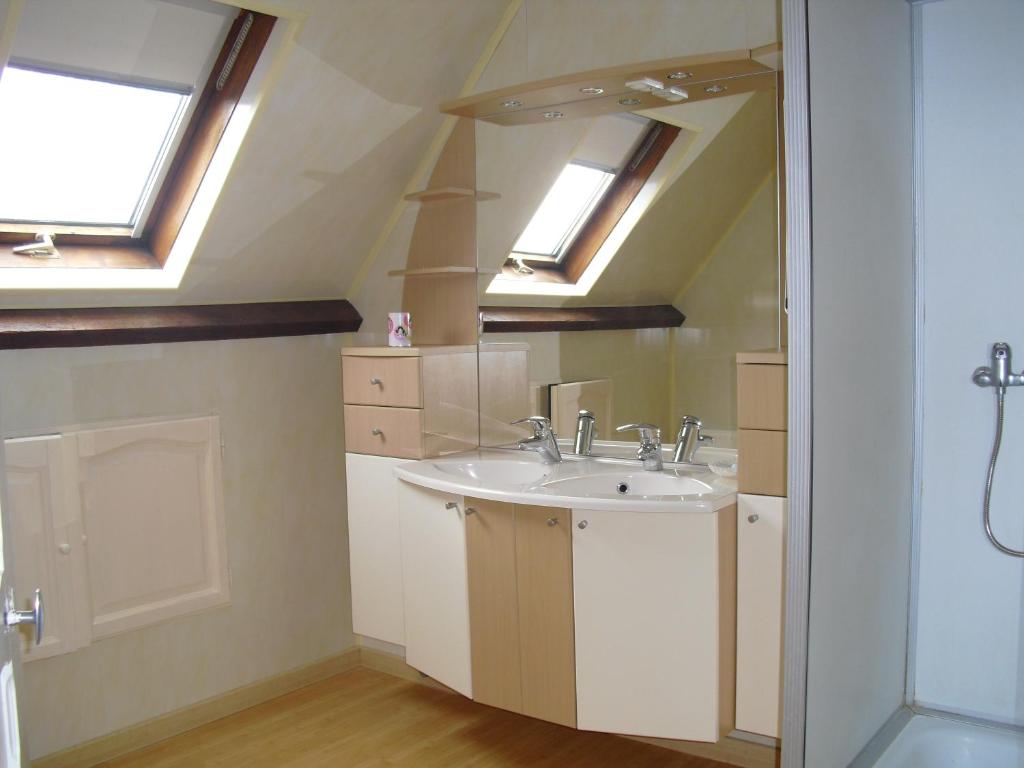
{"x": 761, "y": 411}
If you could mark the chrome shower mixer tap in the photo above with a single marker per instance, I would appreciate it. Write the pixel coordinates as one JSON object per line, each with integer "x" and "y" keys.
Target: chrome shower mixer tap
{"x": 1000, "y": 373}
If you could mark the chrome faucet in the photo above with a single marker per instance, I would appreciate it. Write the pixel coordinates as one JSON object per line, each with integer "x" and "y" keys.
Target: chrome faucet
{"x": 544, "y": 440}
{"x": 586, "y": 426}
{"x": 649, "y": 451}
{"x": 688, "y": 440}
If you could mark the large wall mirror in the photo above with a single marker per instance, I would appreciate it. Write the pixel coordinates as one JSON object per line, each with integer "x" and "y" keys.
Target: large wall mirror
{"x": 650, "y": 201}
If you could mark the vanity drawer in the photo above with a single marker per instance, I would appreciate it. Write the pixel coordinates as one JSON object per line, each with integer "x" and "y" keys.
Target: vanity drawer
{"x": 761, "y": 396}
{"x": 399, "y": 431}
{"x": 762, "y": 462}
{"x": 399, "y": 379}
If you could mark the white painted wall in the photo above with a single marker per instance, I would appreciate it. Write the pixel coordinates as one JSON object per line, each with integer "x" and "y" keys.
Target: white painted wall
{"x": 284, "y": 504}
{"x": 969, "y": 652}
{"x": 862, "y": 379}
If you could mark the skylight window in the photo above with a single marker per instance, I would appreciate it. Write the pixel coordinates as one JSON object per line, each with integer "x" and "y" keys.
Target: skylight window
{"x": 565, "y": 209}
{"x": 81, "y": 151}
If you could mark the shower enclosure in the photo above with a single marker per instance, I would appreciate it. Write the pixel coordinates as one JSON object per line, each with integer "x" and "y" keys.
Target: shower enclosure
{"x": 965, "y": 677}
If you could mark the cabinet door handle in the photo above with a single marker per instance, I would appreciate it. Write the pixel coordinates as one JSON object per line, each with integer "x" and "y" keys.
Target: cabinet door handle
{"x": 470, "y": 511}
{"x": 552, "y": 521}
{"x": 753, "y": 518}
{"x": 450, "y": 505}
{"x": 376, "y": 431}
{"x": 375, "y": 382}
{"x": 581, "y": 524}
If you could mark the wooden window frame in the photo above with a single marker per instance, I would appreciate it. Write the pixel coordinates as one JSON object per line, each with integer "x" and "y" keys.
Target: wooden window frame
{"x": 616, "y": 200}
{"x": 91, "y": 247}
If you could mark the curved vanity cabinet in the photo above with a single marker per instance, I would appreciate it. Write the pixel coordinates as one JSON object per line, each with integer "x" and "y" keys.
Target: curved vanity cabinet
{"x": 654, "y": 597}
{"x": 435, "y": 585}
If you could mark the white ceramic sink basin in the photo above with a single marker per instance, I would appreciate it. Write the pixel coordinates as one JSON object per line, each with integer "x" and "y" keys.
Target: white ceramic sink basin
{"x": 577, "y": 483}
{"x": 635, "y": 484}
{"x": 497, "y": 471}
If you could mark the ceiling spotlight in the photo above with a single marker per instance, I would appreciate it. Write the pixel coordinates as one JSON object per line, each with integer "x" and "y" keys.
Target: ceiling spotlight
{"x": 679, "y": 75}
{"x": 592, "y": 91}
{"x": 715, "y": 89}
{"x": 644, "y": 84}
{"x": 630, "y": 101}
{"x": 511, "y": 104}
{"x": 674, "y": 94}
{"x": 554, "y": 115}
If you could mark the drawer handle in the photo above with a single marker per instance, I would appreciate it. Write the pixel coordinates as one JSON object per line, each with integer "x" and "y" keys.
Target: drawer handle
{"x": 552, "y": 521}
{"x": 581, "y": 524}
{"x": 375, "y": 382}
{"x": 470, "y": 511}
{"x": 376, "y": 431}
{"x": 451, "y": 505}
{"x": 753, "y": 518}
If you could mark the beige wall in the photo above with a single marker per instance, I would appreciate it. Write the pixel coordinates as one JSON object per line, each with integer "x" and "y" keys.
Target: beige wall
{"x": 731, "y": 305}
{"x": 284, "y": 498}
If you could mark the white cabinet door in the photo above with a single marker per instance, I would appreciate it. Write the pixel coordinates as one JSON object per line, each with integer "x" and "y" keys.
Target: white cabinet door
{"x": 760, "y": 572}
{"x": 645, "y": 590}
{"x": 435, "y": 585}
{"x": 153, "y": 520}
{"x": 48, "y": 539}
{"x": 375, "y": 547}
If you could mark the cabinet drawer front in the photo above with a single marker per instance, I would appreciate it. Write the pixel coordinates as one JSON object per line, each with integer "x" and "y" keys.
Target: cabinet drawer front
{"x": 761, "y": 396}
{"x": 398, "y": 377}
{"x": 394, "y": 432}
{"x": 762, "y": 462}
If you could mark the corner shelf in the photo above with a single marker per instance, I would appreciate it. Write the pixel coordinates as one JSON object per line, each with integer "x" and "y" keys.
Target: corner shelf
{"x": 440, "y": 194}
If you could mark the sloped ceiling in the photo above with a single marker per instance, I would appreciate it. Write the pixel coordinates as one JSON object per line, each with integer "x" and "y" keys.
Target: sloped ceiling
{"x": 334, "y": 143}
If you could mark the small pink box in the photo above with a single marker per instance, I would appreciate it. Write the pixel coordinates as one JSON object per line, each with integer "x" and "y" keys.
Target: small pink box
{"x": 399, "y": 329}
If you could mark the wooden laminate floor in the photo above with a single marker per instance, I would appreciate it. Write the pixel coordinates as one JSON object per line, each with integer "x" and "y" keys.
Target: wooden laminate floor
{"x": 367, "y": 719}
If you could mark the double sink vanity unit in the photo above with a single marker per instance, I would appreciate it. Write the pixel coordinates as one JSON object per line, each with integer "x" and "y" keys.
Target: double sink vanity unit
{"x": 586, "y": 591}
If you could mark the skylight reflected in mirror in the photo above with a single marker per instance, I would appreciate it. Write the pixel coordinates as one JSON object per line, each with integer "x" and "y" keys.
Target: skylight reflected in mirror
{"x": 565, "y": 208}
{"x": 80, "y": 151}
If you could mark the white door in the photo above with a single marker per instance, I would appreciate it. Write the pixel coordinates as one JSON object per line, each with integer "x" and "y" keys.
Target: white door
{"x": 645, "y": 594}
{"x": 10, "y": 644}
{"x": 375, "y": 547}
{"x": 760, "y": 581}
{"x": 435, "y": 585}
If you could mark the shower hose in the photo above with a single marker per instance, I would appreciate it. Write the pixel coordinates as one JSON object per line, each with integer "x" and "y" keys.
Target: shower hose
{"x": 1000, "y": 398}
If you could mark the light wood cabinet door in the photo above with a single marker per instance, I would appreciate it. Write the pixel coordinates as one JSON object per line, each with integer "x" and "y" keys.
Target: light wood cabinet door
{"x": 493, "y": 607}
{"x": 546, "y": 637}
{"x": 760, "y": 569}
{"x": 375, "y": 547}
{"x": 646, "y": 598}
{"x": 435, "y": 590}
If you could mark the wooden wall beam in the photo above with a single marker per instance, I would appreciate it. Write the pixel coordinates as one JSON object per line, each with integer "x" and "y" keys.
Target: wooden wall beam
{"x": 536, "y": 319}
{"x": 101, "y": 326}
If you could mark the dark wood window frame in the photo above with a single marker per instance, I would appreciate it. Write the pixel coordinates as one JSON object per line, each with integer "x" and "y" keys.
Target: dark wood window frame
{"x": 606, "y": 214}
{"x": 185, "y": 173}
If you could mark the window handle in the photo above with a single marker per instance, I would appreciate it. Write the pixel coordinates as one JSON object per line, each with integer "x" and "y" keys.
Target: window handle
{"x": 41, "y": 248}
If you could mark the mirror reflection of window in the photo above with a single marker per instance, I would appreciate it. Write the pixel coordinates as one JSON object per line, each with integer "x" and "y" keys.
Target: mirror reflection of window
{"x": 566, "y": 207}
